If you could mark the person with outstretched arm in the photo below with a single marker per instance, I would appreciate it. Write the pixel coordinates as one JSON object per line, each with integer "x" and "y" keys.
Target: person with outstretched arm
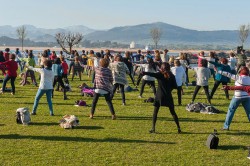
{"x": 166, "y": 83}
{"x": 240, "y": 96}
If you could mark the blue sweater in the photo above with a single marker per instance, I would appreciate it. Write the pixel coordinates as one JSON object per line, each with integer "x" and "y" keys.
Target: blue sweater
{"x": 221, "y": 67}
{"x": 57, "y": 69}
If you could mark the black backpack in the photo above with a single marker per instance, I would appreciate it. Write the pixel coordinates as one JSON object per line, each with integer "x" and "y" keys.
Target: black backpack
{"x": 213, "y": 140}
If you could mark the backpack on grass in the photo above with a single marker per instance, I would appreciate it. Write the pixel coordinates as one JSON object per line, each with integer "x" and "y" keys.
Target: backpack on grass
{"x": 23, "y": 116}
{"x": 213, "y": 140}
{"x": 69, "y": 121}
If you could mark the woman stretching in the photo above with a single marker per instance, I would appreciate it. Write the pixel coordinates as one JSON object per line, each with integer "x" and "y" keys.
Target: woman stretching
{"x": 203, "y": 74}
{"x": 103, "y": 86}
{"x": 150, "y": 67}
{"x": 45, "y": 87}
{"x": 166, "y": 83}
{"x": 119, "y": 70}
{"x": 240, "y": 96}
{"x": 180, "y": 77}
{"x": 223, "y": 66}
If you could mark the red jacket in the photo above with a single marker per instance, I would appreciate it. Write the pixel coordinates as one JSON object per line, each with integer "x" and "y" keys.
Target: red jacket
{"x": 65, "y": 67}
{"x": 6, "y": 56}
{"x": 11, "y": 66}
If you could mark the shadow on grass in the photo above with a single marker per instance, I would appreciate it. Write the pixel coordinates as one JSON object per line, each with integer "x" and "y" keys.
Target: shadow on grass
{"x": 2, "y": 124}
{"x": 232, "y": 147}
{"x": 89, "y": 127}
{"x": 43, "y": 124}
{"x": 165, "y": 118}
{"x": 78, "y": 139}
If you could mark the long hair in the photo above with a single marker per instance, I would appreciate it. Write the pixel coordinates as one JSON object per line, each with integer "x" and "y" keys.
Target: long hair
{"x": 165, "y": 69}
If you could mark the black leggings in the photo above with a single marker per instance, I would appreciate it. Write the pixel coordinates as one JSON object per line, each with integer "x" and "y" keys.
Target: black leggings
{"x": 59, "y": 80}
{"x": 197, "y": 88}
{"x": 115, "y": 86}
{"x": 216, "y": 84}
{"x": 144, "y": 82}
{"x": 108, "y": 100}
{"x": 179, "y": 90}
{"x": 173, "y": 113}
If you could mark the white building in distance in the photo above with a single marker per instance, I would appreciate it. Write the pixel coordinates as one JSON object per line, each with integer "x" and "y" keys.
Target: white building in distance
{"x": 132, "y": 45}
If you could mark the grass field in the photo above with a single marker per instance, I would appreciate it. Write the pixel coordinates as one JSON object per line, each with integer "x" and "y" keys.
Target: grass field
{"x": 125, "y": 141}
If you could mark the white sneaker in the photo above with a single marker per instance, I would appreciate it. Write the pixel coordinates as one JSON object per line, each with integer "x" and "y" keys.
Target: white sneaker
{"x": 140, "y": 97}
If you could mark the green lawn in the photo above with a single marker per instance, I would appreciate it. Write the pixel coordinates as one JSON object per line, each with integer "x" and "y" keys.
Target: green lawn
{"x": 125, "y": 141}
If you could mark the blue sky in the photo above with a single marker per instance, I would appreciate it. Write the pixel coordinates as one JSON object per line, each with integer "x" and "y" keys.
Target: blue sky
{"x": 105, "y": 14}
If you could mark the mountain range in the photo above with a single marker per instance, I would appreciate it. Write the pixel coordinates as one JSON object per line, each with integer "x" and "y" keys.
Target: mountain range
{"x": 125, "y": 34}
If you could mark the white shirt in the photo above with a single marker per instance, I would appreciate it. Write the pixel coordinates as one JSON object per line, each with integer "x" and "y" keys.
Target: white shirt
{"x": 180, "y": 75}
{"x": 147, "y": 69}
{"x": 232, "y": 63}
{"x": 47, "y": 78}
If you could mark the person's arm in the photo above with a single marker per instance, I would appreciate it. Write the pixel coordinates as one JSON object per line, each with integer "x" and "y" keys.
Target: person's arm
{"x": 156, "y": 75}
{"x": 242, "y": 88}
{"x": 35, "y": 69}
{"x": 228, "y": 74}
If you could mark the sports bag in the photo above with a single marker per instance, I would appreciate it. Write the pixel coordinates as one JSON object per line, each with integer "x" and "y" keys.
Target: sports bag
{"x": 213, "y": 140}
{"x": 23, "y": 116}
{"x": 69, "y": 121}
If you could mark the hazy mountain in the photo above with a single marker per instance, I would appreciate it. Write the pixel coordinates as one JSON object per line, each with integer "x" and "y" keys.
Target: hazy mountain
{"x": 170, "y": 33}
{"x": 42, "y": 34}
{"x": 139, "y": 33}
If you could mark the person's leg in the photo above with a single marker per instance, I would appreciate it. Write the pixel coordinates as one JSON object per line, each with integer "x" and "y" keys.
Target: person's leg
{"x": 33, "y": 77}
{"x": 54, "y": 83}
{"x": 80, "y": 75}
{"x": 153, "y": 87}
{"x": 123, "y": 94}
{"x": 115, "y": 86}
{"x": 49, "y": 100}
{"x": 110, "y": 105}
{"x": 142, "y": 87}
{"x": 246, "y": 105}
{"x": 5, "y": 80}
{"x": 60, "y": 83}
{"x": 39, "y": 94}
{"x": 230, "y": 113}
{"x": 94, "y": 102}
{"x": 197, "y": 88}
{"x": 226, "y": 91}
{"x": 93, "y": 77}
{"x": 175, "y": 117}
{"x": 154, "y": 119}
{"x": 216, "y": 84}
{"x": 179, "y": 90}
{"x": 12, "y": 82}
{"x": 207, "y": 93}
{"x": 139, "y": 80}
{"x": 187, "y": 78}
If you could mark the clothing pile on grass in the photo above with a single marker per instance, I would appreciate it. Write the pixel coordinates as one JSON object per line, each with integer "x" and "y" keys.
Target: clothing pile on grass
{"x": 202, "y": 108}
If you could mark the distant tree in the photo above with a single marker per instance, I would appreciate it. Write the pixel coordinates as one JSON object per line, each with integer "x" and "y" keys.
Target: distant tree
{"x": 68, "y": 40}
{"x": 243, "y": 33}
{"x": 22, "y": 34}
{"x": 156, "y": 36}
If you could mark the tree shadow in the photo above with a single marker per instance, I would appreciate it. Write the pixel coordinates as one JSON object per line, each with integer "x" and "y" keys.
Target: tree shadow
{"x": 232, "y": 147}
{"x": 79, "y": 139}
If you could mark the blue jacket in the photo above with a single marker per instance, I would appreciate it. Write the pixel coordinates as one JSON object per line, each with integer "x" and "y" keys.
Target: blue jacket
{"x": 221, "y": 67}
{"x": 57, "y": 69}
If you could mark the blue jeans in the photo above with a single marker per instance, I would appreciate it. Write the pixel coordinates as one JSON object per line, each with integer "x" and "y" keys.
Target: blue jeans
{"x": 39, "y": 94}
{"x": 235, "y": 102}
{"x": 12, "y": 82}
